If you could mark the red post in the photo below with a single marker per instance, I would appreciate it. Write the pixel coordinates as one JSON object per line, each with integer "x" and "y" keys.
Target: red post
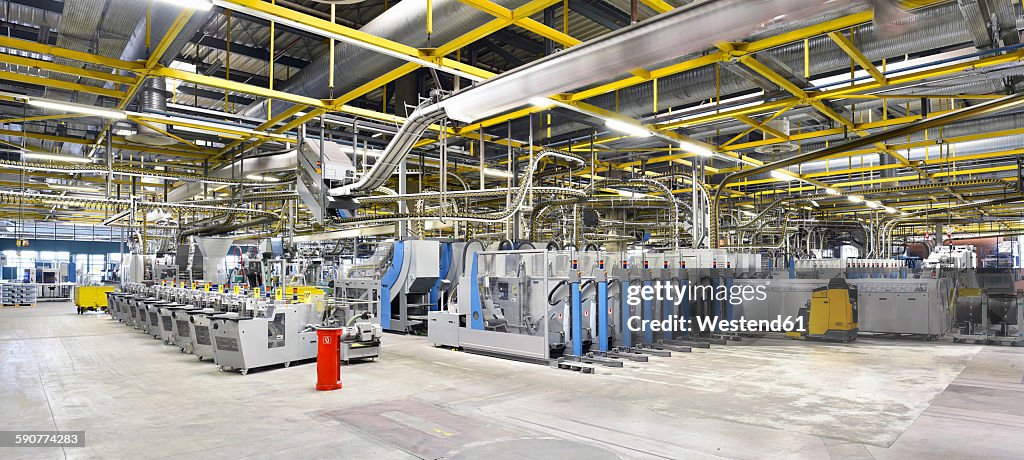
{"x": 328, "y": 358}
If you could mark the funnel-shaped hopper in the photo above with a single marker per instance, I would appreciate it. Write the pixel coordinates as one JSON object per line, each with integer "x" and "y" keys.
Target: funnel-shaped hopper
{"x": 213, "y": 247}
{"x": 213, "y": 250}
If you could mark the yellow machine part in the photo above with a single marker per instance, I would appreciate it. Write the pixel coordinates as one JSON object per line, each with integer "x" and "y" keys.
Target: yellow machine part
{"x": 91, "y": 296}
{"x": 303, "y": 290}
{"x": 831, "y": 311}
{"x": 830, "y": 316}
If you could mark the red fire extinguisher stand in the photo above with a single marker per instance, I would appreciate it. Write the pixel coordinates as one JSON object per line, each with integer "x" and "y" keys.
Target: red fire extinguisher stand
{"x": 328, "y": 358}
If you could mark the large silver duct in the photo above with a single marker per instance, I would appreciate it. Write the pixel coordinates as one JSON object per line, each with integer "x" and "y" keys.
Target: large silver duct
{"x": 655, "y": 40}
{"x": 354, "y": 66}
{"x": 153, "y": 93}
{"x": 931, "y": 28}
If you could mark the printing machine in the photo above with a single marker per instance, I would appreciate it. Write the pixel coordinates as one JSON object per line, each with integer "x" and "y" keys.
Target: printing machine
{"x": 275, "y": 333}
{"x": 502, "y": 308}
{"x": 408, "y": 287}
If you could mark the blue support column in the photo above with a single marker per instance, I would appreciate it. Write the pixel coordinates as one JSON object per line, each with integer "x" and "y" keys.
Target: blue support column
{"x": 602, "y": 315}
{"x": 476, "y": 314}
{"x": 577, "y": 318}
{"x": 387, "y": 282}
{"x": 627, "y": 335}
{"x": 446, "y": 263}
{"x": 716, "y": 304}
{"x": 727, "y": 276}
{"x": 648, "y": 313}
{"x": 684, "y": 306}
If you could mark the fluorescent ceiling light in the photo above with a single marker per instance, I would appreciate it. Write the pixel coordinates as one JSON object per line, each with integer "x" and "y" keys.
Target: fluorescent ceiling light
{"x": 890, "y": 210}
{"x": 815, "y": 203}
{"x": 778, "y": 174}
{"x": 628, "y": 128}
{"x": 78, "y": 108}
{"x": 873, "y": 204}
{"x": 631, "y": 194}
{"x": 696, "y": 149}
{"x": 831, "y": 191}
{"x": 497, "y": 173}
{"x": 201, "y": 5}
{"x": 855, "y": 198}
{"x": 57, "y": 157}
{"x": 72, "y": 188}
{"x": 541, "y": 102}
{"x": 262, "y": 178}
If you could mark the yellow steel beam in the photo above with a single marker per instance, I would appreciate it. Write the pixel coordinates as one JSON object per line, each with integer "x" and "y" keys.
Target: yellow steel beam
{"x": 160, "y": 130}
{"x": 661, "y": 6}
{"x": 844, "y": 91}
{"x": 172, "y": 32}
{"x": 221, "y": 83}
{"x": 847, "y": 45}
{"x": 763, "y": 127}
{"x": 56, "y": 51}
{"x": 60, "y": 116}
{"x": 547, "y": 32}
{"x": 494, "y": 25}
{"x": 65, "y": 69}
{"x": 70, "y": 86}
{"x": 758, "y": 126}
{"x": 357, "y": 37}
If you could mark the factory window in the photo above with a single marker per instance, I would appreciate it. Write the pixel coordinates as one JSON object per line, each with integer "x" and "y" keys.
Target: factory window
{"x": 90, "y": 263}
{"x": 21, "y": 259}
{"x": 96, "y": 263}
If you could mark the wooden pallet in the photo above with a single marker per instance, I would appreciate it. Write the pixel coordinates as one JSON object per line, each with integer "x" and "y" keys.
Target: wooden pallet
{"x": 19, "y": 305}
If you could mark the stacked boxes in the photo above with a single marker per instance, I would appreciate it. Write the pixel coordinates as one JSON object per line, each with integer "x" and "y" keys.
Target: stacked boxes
{"x": 18, "y": 294}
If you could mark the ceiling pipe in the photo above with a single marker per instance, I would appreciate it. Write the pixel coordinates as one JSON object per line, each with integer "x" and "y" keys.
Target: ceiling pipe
{"x": 978, "y": 110}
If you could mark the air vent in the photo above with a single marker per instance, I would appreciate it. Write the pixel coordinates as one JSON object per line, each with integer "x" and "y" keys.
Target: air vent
{"x": 782, "y": 126}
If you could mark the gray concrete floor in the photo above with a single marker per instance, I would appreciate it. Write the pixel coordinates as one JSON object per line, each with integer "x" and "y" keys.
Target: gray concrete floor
{"x": 137, "y": 398}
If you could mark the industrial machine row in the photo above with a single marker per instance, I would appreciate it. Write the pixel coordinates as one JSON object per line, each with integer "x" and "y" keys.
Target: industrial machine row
{"x": 548, "y": 304}
{"x": 242, "y": 330}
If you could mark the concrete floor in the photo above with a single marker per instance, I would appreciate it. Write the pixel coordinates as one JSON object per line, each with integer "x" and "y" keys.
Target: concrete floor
{"x": 137, "y": 398}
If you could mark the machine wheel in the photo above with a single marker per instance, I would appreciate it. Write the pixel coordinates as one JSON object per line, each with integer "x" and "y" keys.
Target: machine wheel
{"x": 244, "y": 371}
{"x": 199, "y": 357}
{"x": 220, "y": 368}
{"x": 287, "y": 364}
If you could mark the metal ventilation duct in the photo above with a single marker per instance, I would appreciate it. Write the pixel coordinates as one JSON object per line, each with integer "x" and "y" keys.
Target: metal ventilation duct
{"x": 153, "y": 93}
{"x": 780, "y": 125}
{"x": 152, "y": 98}
{"x": 932, "y": 28}
{"x": 666, "y": 36}
{"x": 356, "y": 66}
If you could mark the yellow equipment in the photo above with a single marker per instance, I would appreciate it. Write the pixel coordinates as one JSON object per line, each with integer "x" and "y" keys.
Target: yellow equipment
{"x": 91, "y": 297}
{"x": 831, "y": 314}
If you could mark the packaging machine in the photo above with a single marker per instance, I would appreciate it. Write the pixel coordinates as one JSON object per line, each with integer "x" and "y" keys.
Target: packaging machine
{"x": 276, "y": 333}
